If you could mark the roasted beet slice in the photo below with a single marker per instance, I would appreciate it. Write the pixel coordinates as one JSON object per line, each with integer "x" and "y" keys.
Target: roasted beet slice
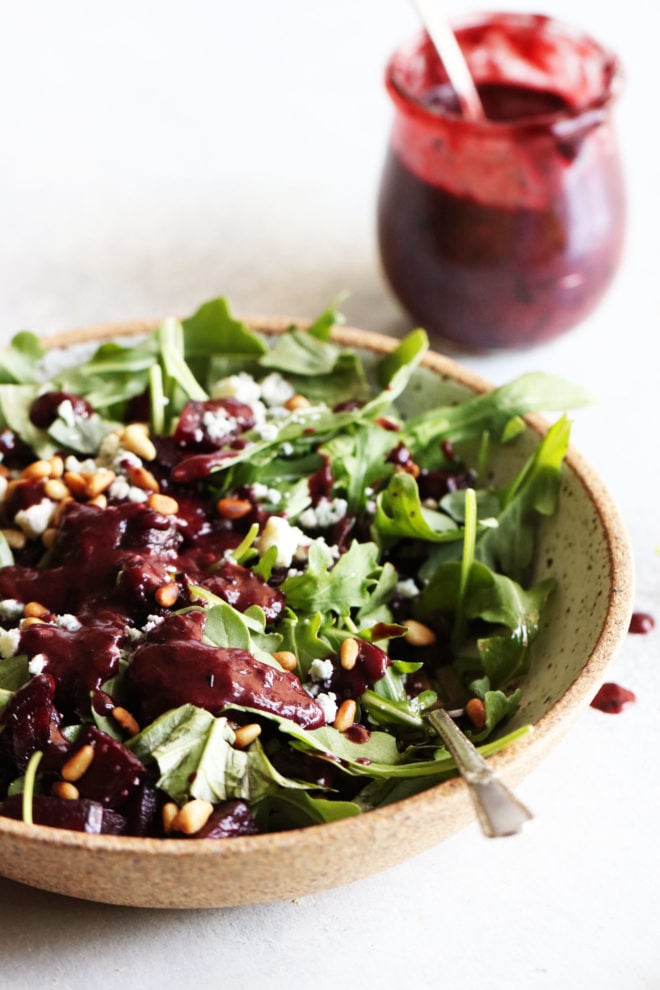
{"x": 33, "y": 723}
{"x": 44, "y": 409}
{"x": 114, "y": 776}
{"x": 79, "y": 661}
{"x": 241, "y": 588}
{"x": 370, "y": 666}
{"x": 175, "y": 672}
{"x": 231, "y": 818}
{"x": 209, "y": 425}
{"x": 78, "y": 815}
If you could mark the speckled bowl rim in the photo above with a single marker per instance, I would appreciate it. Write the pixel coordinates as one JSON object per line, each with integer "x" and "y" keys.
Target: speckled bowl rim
{"x": 513, "y": 763}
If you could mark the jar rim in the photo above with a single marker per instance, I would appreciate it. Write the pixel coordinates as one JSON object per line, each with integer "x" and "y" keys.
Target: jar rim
{"x": 562, "y": 122}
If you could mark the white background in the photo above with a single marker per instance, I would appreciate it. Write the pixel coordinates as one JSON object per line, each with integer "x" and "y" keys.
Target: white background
{"x": 154, "y": 155}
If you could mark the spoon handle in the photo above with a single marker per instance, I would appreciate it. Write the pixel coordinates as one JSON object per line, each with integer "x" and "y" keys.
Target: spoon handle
{"x": 444, "y": 41}
{"x": 498, "y": 810}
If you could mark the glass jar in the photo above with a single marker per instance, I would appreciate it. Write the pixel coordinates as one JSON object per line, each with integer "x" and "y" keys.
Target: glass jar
{"x": 503, "y": 231}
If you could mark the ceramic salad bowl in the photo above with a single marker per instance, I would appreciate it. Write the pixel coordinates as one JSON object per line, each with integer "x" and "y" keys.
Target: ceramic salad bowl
{"x": 583, "y": 547}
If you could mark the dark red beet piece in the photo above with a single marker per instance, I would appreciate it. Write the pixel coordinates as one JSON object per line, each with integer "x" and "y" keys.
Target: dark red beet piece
{"x": 175, "y": 670}
{"x": 241, "y": 588}
{"x": 370, "y": 666}
{"x": 43, "y": 410}
{"x": 193, "y": 433}
{"x": 32, "y": 722}
{"x": 76, "y": 816}
{"x": 114, "y": 776}
{"x": 231, "y": 818}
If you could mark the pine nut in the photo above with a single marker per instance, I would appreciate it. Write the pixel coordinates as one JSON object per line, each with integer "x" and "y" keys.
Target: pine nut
{"x": 60, "y": 510}
{"x": 49, "y": 537}
{"x": 79, "y": 763}
{"x": 167, "y": 594}
{"x": 135, "y": 438}
{"x": 348, "y": 653}
{"x": 233, "y": 508}
{"x": 286, "y": 659}
{"x": 169, "y": 813}
{"x": 100, "y": 501}
{"x": 297, "y": 401}
{"x": 345, "y": 715}
{"x": 246, "y": 734}
{"x": 165, "y": 504}
{"x": 192, "y": 816}
{"x": 476, "y": 712}
{"x": 418, "y": 634}
{"x": 63, "y": 789}
{"x": 126, "y": 720}
{"x": 97, "y": 482}
{"x": 56, "y": 466}
{"x": 16, "y": 538}
{"x": 35, "y": 610}
{"x": 38, "y": 469}
{"x": 75, "y": 483}
{"x": 141, "y": 478}
{"x": 30, "y": 621}
{"x": 56, "y": 489}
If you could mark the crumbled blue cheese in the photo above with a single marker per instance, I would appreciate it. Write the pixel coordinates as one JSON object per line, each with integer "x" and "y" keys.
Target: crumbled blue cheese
{"x": 241, "y": 387}
{"x": 262, "y": 493}
{"x": 38, "y": 664}
{"x": 325, "y": 513}
{"x": 321, "y": 670}
{"x": 281, "y": 534}
{"x": 406, "y": 588}
{"x": 73, "y": 464}
{"x": 217, "y": 423}
{"x": 328, "y": 703}
{"x": 9, "y": 639}
{"x": 152, "y": 622}
{"x": 35, "y": 520}
{"x": 276, "y": 390}
{"x": 66, "y": 412}
{"x": 11, "y": 608}
{"x": 68, "y": 622}
{"x": 267, "y": 431}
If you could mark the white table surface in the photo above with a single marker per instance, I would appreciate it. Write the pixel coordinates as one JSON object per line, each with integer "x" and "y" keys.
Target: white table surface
{"x": 157, "y": 154}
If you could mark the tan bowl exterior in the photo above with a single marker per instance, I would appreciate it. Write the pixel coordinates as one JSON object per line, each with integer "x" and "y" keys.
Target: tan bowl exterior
{"x": 184, "y": 873}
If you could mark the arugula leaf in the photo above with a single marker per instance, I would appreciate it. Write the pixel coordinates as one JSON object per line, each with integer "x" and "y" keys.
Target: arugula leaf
{"x": 339, "y": 588}
{"x": 213, "y": 330}
{"x": 297, "y": 352}
{"x": 400, "y": 513}
{"x": 406, "y": 356}
{"x": 295, "y": 809}
{"x": 20, "y": 361}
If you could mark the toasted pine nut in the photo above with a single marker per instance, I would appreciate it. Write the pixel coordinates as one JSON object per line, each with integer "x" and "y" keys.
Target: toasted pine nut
{"x": 79, "y": 763}
{"x": 476, "y": 712}
{"x": 4, "y": 471}
{"x": 15, "y": 538}
{"x": 48, "y": 537}
{"x": 56, "y": 489}
{"x": 38, "y": 469}
{"x": 126, "y": 720}
{"x": 164, "y": 504}
{"x": 56, "y": 466}
{"x": 346, "y": 715}
{"x": 35, "y": 610}
{"x": 141, "y": 478}
{"x": 297, "y": 401}
{"x": 192, "y": 816}
{"x": 135, "y": 437}
{"x": 418, "y": 634}
{"x": 233, "y": 508}
{"x": 167, "y": 594}
{"x": 98, "y": 482}
{"x": 100, "y": 501}
{"x": 63, "y": 789}
{"x": 75, "y": 483}
{"x": 246, "y": 734}
{"x": 412, "y": 468}
{"x": 286, "y": 659}
{"x": 31, "y": 620}
{"x": 60, "y": 510}
{"x": 348, "y": 653}
{"x": 169, "y": 813}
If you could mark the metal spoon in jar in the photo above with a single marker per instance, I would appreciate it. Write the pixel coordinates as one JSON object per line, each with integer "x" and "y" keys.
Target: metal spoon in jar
{"x": 499, "y": 811}
{"x": 445, "y": 43}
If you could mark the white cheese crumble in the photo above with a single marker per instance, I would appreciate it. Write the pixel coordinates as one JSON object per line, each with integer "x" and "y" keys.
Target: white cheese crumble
{"x": 321, "y": 670}
{"x": 267, "y": 431}
{"x": 328, "y": 703}
{"x": 9, "y": 639}
{"x": 10, "y": 608}
{"x": 241, "y": 386}
{"x": 36, "y": 519}
{"x": 276, "y": 390}
{"x": 152, "y": 622}
{"x": 281, "y": 534}
{"x": 406, "y": 588}
{"x": 68, "y": 622}
{"x": 66, "y": 412}
{"x": 262, "y": 493}
{"x": 217, "y": 424}
{"x": 325, "y": 513}
{"x": 38, "y": 664}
